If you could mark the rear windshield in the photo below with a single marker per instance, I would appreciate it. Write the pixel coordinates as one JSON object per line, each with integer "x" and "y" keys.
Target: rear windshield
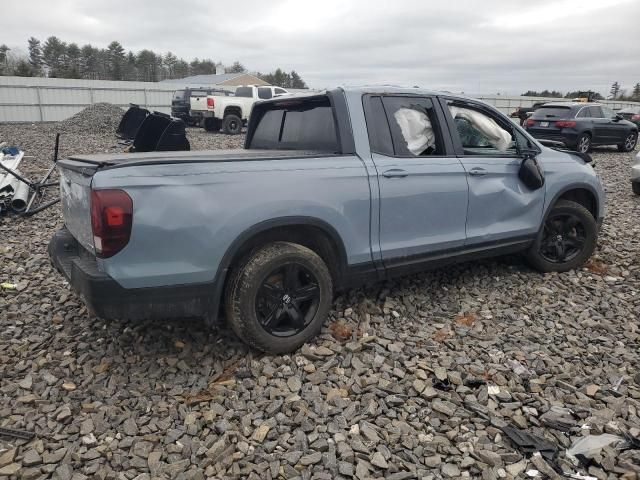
{"x": 553, "y": 112}
{"x": 244, "y": 92}
{"x": 297, "y": 125}
{"x": 179, "y": 94}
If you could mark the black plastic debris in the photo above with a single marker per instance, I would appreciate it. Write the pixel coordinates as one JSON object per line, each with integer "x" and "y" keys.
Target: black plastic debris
{"x": 161, "y": 133}
{"x": 131, "y": 122}
{"x": 14, "y": 433}
{"x": 530, "y": 443}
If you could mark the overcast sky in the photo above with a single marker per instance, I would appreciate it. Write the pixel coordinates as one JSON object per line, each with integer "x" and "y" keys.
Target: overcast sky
{"x": 475, "y": 46}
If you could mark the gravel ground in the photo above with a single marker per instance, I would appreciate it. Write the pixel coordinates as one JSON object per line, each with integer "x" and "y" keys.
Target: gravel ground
{"x": 416, "y": 378}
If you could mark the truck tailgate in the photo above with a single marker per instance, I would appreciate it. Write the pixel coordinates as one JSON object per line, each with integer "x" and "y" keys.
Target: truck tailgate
{"x": 75, "y": 193}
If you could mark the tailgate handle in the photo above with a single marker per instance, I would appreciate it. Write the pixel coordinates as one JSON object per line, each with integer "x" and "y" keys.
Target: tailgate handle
{"x": 395, "y": 173}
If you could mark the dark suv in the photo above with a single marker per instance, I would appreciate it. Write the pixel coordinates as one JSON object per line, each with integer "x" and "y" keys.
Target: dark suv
{"x": 580, "y": 126}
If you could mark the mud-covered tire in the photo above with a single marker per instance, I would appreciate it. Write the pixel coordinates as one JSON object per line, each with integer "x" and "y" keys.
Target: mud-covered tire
{"x": 232, "y": 125}
{"x": 212, "y": 124}
{"x": 244, "y": 287}
{"x": 538, "y": 256}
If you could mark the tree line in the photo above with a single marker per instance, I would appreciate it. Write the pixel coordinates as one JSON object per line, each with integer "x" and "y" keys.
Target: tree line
{"x": 57, "y": 59}
{"x": 616, "y": 93}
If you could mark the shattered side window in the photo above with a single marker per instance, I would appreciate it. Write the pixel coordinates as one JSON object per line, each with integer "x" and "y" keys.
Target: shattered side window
{"x": 480, "y": 134}
{"x": 413, "y": 126}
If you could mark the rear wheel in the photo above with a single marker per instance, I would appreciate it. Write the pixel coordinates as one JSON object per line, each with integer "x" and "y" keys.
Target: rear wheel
{"x": 635, "y": 186}
{"x": 567, "y": 239}
{"x": 279, "y": 297}
{"x": 232, "y": 125}
{"x": 629, "y": 142}
{"x": 212, "y": 124}
{"x": 583, "y": 145}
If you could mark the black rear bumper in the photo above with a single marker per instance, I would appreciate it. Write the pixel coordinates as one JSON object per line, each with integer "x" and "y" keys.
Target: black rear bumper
{"x": 106, "y": 298}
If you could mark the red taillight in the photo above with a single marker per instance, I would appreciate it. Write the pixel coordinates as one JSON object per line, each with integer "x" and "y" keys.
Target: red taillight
{"x": 530, "y": 122}
{"x": 565, "y": 124}
{"x": 111, "y": 220}
{"x": 636, "y": 116}
{"x": 209, "y": 102}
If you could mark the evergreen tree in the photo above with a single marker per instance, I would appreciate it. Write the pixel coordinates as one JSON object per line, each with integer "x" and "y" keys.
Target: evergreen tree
{"x": 116, "y": 60}
{"x": 615, "y": 90}
{"x": 23, "y": 69}
{"x": 296, "y": 80}
{"x": 35, "y": 55}
{"x": 237, "y": 67}
{"x": 53, "y": 55}
{"x": 4, "y": 60}
{"x": 636, "y": 92}
{"x": 72, "y": 61}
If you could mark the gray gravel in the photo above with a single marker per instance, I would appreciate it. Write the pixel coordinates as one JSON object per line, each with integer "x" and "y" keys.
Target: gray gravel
{"x": 410, "y": 379}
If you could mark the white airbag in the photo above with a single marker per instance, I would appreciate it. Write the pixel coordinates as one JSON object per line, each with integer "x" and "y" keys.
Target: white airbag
{"x": 496, "y": 135}
{"x": 416, "y": 130}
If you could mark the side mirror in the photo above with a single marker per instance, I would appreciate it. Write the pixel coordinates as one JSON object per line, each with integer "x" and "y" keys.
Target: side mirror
{"x": 617, "y": 117}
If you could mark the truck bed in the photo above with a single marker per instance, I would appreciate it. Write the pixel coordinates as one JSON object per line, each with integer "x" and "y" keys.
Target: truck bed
{"x": 88, "y": 164}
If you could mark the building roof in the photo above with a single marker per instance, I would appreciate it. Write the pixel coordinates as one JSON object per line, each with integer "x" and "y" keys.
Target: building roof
{"x": 205, "y": 79}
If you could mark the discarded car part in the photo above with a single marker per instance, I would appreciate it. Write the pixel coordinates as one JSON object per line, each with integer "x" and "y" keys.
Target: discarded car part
{"x": 161, "y": 133}
{"x": 530, "y": 443}
{"x": 20, "y": 198}
{"x": 592, "y": 444}
{"x": 131, "y": 122}
{"x": 15, "y": 433}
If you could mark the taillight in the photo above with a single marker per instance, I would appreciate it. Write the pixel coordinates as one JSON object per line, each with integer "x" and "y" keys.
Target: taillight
{"x": 530, "y": 122}
{"x": 111, "y": 220}
{"x": 636, "y": 116}
{"x": 565, "y": 124}
{"x": 209, "y": 102}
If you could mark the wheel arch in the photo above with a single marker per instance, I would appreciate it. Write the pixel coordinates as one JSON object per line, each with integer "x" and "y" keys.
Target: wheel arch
{"x": 233, "y": 110}
{"x": 582, "y": 194}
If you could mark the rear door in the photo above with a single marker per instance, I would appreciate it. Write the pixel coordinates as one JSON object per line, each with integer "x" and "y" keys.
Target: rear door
{"x": 423, "y": 189}
{"x": 501, "y": 208}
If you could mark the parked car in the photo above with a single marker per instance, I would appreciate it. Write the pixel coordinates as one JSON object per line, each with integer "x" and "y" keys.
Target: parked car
{"x": 182, "y": 99}
{"x": 525, "y": 112}
{"x": 580, "y": 126}
{"x": 232, "y": 113}
{"x": 635, "y": 175}
{"x": 332, "y": 190}
{"x": 631, "y": 113}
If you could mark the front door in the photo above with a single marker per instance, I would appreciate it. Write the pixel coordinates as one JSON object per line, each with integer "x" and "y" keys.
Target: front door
{"x": 501, "y": 208}
{"x": 423, "y": 192}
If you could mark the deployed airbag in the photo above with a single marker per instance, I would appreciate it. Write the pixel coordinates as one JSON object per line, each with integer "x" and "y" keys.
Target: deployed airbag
{"x": 497, "y": 136}
{"x": 416, "y": 130}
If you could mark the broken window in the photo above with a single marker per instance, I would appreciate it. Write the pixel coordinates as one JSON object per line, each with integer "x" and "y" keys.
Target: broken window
{"x": 480, "y": 134}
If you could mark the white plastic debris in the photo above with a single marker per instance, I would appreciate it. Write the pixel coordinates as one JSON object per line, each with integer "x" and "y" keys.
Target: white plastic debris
{"x": 416, "y": 130}
{"x": 592, "y": 444}
{"x": 533, "y": 473}
{"x": 496, "y": 135}
{"x": 493, "y": 389}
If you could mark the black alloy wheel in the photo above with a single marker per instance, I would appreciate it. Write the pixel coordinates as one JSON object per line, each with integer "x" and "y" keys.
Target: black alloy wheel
{"x": 563, "y": 239}
{"x": 287, "y": 300}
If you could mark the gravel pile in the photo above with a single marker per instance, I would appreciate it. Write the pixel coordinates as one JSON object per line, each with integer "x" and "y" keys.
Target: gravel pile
{"x": 99, "y": 117}
{"x": 418, "y": 378}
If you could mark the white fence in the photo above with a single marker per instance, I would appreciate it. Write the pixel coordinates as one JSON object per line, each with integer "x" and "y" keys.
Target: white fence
{"x": 35, "y": 99}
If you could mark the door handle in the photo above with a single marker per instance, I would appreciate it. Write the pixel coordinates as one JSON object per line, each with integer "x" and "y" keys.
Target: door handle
{"x": 477, "y": 172}
{"x": 395, "y": 173}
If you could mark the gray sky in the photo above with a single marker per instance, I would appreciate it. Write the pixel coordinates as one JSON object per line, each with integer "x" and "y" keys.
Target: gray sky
{"x": 476, "y": 46}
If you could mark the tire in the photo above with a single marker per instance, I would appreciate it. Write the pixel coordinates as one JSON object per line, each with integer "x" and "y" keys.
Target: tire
{"x": 266, "y": 304}
{"x": 579, "y": 240}
{"x": 212, "y": 124}
{"x": 583, "y": 144}
{"x": 635, "y": 186}
{"x": 232, "y": 125}
{"x": 629, "y": 143}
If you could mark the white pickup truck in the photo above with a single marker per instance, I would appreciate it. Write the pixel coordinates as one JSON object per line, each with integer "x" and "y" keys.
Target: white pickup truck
{"x": 231, "y": 113}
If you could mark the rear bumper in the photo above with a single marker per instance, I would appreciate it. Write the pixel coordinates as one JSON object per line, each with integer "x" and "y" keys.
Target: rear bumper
{"x": 106, "y": 298}
{"x": 569, "y": 139}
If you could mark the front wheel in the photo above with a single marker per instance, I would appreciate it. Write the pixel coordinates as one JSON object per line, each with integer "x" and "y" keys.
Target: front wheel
{"x": 232, "y": 125}
{"x": 279, "y": 297}
{"x": 583, "y": 145}
{"x": 629, "y": 142}
{"x": 567, "y": 239}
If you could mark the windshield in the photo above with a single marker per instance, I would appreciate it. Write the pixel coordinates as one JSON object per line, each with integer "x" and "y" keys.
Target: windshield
{"x": 552, "y": 112}
{"x": 244, "y": 92}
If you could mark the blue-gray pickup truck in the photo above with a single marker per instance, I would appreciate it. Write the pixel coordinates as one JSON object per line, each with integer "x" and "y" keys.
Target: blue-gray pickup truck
{"x": 332, "y": 190}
